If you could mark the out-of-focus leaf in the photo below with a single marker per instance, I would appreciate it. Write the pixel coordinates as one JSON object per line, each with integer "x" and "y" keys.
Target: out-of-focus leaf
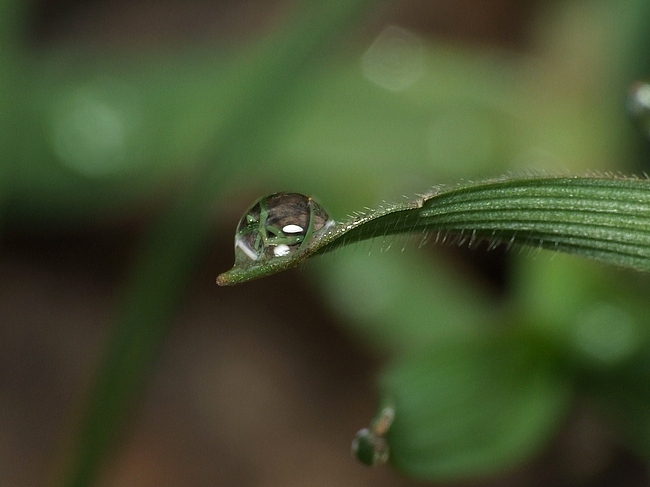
{"x": 596, "y": 314}
{"x": 400, "y": 300}
{"x": 472, "y": 408}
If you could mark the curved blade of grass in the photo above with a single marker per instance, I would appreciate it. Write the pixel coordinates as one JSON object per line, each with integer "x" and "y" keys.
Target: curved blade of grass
{"x": 603, "y": 218}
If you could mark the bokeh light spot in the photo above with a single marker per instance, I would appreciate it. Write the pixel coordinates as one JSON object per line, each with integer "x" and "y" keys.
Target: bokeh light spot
{"x": 606, "y": 333}
{"x": 395, "y": 60}
{"x": 91, "y": 131}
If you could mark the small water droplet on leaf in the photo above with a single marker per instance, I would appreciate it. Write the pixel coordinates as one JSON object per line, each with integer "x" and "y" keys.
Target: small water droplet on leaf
{"x": 638, "y": 105}
{"x": 277, "y": 226}
{"x": 369, "y": 448}
{"x": 369, "y": 445}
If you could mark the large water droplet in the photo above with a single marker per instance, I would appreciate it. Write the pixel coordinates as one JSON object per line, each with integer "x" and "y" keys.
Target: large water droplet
{"x": 277, "y": 226}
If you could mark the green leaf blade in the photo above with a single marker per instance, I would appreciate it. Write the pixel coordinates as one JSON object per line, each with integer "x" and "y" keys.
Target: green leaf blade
{"x": 602, "y": 218}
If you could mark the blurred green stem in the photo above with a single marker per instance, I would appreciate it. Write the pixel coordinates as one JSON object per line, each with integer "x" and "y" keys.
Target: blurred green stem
{"x": 154, "y": 291}
{"x": 11, "y": 13}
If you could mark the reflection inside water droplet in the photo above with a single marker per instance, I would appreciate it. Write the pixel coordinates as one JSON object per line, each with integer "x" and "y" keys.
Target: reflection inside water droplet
{"x": 95, "y": 128}
{"x": 281, "y": 250}
{"x": 278, "y": 225}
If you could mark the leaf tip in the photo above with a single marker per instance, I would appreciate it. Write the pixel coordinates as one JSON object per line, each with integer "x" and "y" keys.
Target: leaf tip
{"x": 224, "y": 280}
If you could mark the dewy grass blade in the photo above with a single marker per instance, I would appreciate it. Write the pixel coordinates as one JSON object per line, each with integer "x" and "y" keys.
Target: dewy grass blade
{"x": 603, "y": 218}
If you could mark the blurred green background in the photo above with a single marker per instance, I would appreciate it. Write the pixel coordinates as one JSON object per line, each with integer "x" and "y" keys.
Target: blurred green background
{"x": 135, "y": 134}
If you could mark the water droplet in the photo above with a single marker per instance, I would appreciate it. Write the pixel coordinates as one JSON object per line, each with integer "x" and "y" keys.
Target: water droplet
{"x": 369, "y": 445}
{"x": 369, "y": 448}
{"x": 638, "y": 105}
{"x": 278, "y": 225}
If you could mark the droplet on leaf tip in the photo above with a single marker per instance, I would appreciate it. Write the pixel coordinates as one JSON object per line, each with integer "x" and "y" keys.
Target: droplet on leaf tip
{"x": 369, "y": 448}
{"x": 278, "y": 225}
